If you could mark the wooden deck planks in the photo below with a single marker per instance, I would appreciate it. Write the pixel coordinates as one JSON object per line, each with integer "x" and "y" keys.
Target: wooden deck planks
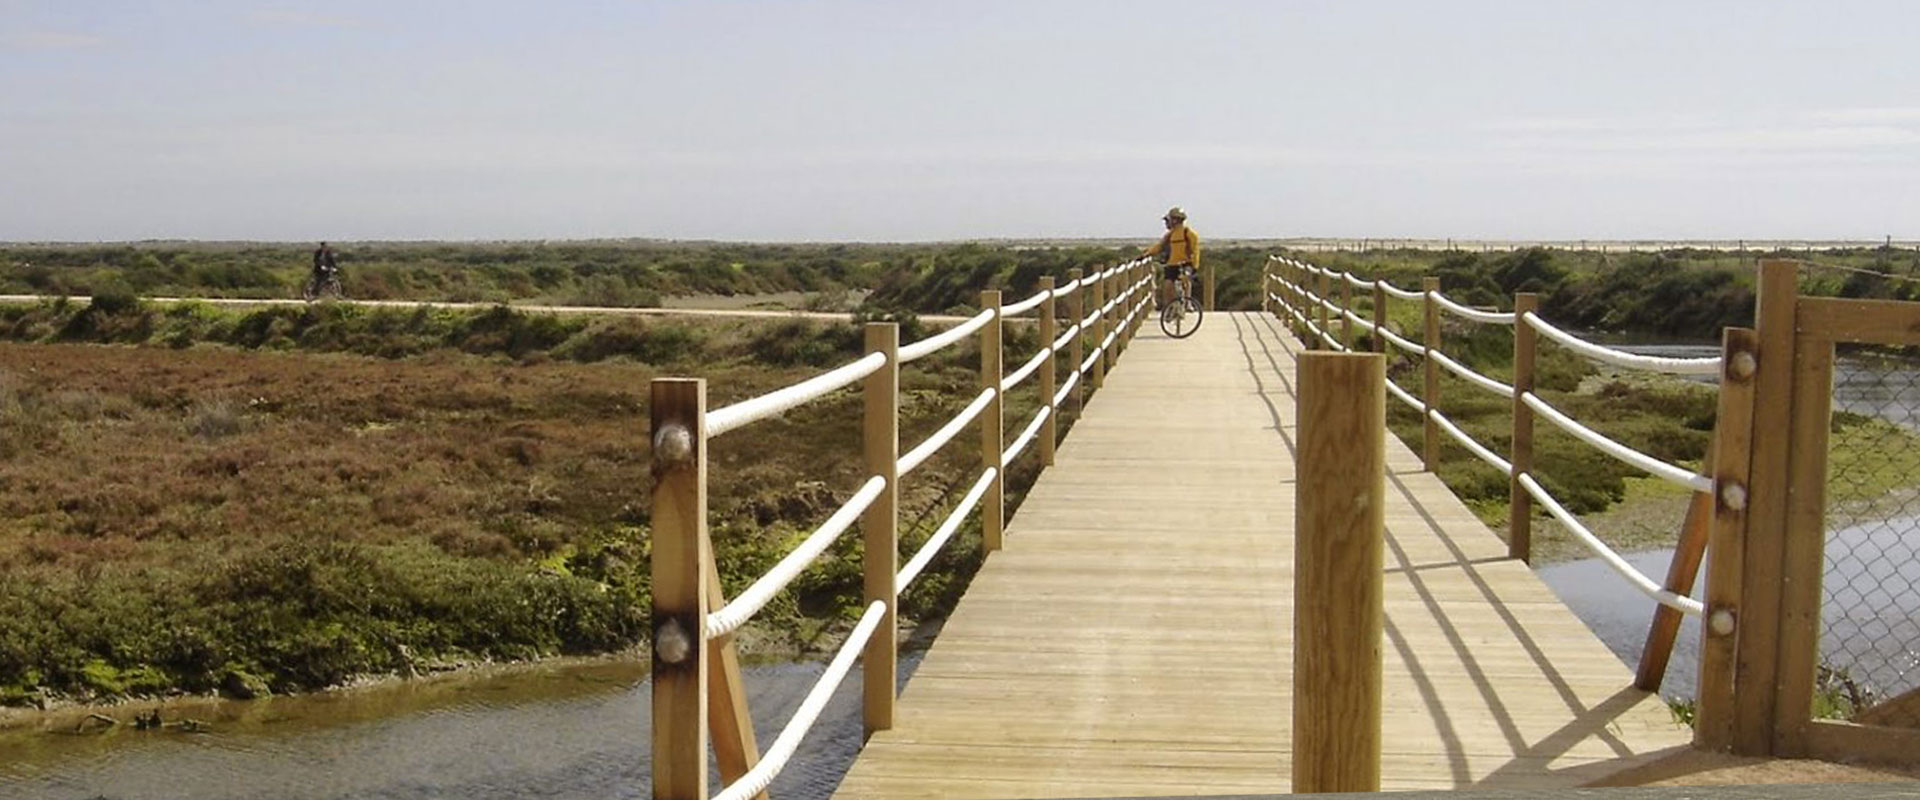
{"x": 1133, "y": 639}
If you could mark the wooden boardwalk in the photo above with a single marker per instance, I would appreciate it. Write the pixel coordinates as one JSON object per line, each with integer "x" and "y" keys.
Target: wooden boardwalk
{"x": 1134, "y": 638}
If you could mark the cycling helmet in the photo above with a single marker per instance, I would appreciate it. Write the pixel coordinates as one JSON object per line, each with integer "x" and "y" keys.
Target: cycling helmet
{"x": 1175, "y": 213}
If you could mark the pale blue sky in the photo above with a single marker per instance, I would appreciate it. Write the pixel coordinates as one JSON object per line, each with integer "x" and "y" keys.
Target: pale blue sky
{"x": 872, "y": 121}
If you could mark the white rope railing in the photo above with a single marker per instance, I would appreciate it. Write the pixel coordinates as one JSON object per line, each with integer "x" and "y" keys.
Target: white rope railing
{"x": 1674, "y": 600}
{"x": 775, "y": 759}
{"x": 1024, "y": 306}
{"x": 742, "y": 608}
{"x": 1357, "y": 281}
{"x": 1402, "y": 342}
{"x": 946, "y": 530}
{"x": 1404, "y": 294}
{"x": 1066, "y": 389}
{"x": 1065, "y": 339}
{"x": 1493, "y": 317}
{"x": 722, "y": 420}
{"x": 1025, "y": 371}
{"x": 1472, "y": 377}
{"x": 1026, "y": 437}
{"x": 1622, "y": 358}
{"x": 909, "y": 353}
{"x": 939, "y": 439}
{"x": 1061, "y": 291}
{"x": 1492, "y": 458}
{"x": 1409, "y": 399}
{"x": 1642, "y": 461}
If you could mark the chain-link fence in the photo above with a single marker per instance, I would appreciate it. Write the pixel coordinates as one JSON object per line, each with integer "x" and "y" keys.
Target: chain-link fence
{"x": 1870, "y": 616}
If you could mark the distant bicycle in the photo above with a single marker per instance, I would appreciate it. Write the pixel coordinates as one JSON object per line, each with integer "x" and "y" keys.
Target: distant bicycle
{"x": 1181, "y": 316}
{"x": 324, "y": 284}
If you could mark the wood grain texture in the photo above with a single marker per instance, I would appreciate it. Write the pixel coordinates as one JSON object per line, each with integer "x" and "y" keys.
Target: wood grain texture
{"x": 680, "y": 557}
{"x": 1135, "y": 637}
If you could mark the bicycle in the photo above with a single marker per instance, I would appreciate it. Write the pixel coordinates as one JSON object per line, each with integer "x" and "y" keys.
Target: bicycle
{"x": 324, "y": 284}
{"x": 1181, "y": 315}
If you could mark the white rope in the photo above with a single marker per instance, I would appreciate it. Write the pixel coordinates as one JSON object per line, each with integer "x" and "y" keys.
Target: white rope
{"x": 775, "y": 759}
{"x": 1026, "y": 437}
{"x": 1108, "y": 342}
{"x": 1466, "y": 441}
{"x": 1678, "y": 602}
{"x": 1647, "y": 463}
{"x": 944, "y": 532}
{"x": 1356, "y": 281}
{"x": 1402, "y": 293}
{"x": 1025, "y": 371}
{"x": 925, "y": 450}
{"x": 1024, "y": 305}
{"x": 725, "y": 419}
{"x": 1066, "y": 390}
{"x": 1088, "y": 320}
{"x": 736, "y": 613}
{"x": 1092, "y": 357}
{"x": 1061, "y": 291}
{"x": 1065, "y": 339}
{"x": 1622, "y": 358}
{"x": 1401, "y": 341}
{"x": 1472, "y": 377}
{"x": 1494, "y": 317}
{"x": 1410, "y": 400}
{"x": 1364, "y": 323}
{"x": 931, "y": 344}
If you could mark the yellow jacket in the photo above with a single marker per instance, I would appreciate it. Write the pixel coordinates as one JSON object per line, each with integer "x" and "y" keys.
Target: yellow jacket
{"x": 1180, "y": 246}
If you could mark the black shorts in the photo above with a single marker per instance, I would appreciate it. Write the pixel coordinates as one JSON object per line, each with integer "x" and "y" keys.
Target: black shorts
{"x": 1172, "y": 272}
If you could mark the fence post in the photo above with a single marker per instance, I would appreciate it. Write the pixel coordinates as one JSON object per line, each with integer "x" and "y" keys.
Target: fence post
{"x": 1430, "y": 395}
{"x": 993, "y": 507}
{"x": 1049, "y": 379}
{"x": 879, "y": 525}
{"x": 1265, "y": 288}
{"x": 678, "y": 412}
{"x": 1732, "y": 462}
{"x": 1076, "y": 309}
{"x": 1339, "y": 560}
{"x": 1519, "y": 501}
{"x": 1346, "y": 305}
{"x": 1324, "y": 341}
{"x": 1099, "y": 377}
{"x": 1380, "y": 316}
{"x": 1112, "y": 318}
{"x": 1209, "y": 290}
{"x": 1758, "y": 673}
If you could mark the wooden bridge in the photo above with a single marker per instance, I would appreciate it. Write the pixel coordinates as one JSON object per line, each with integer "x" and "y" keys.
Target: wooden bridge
{"x": 1133, "y": 631}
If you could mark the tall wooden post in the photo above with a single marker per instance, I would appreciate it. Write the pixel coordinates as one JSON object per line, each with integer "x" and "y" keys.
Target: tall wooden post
{"x": 1099, "y": 376}
{"x": 1326, "y": 316}
{"x": 1346, "y": 304}
{"x": 1077, "y": 349}
{"x": 1731, "y": 466}
{"x": 993, "y": 507}
{"x": 1379, "y": 316}
{"x": 1112, "y": 318}
{"x": 1757, "y": 675}
{"x": 1339, "y": 578}
{"x": 1519, "y": 501}
{"x": 1430, "y": 434}
{"x": 1803, "y": 555}
{"x": 1266, "y": 287}
{"x": 1049, "y": 380}
{"x": 879, "y": 526}
{"x": 678, "y": 412}
{"x": 1209, "y": 290}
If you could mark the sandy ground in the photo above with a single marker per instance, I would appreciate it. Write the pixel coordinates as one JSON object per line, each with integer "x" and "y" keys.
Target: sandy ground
{"x": 1689, "y": 767}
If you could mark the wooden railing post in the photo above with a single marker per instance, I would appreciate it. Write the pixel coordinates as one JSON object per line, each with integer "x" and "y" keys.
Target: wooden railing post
{"x": 1430, "y": 394}
{"x": 1732, "y": 455}
{"x": 1326, "y": 316}
{"x": 1099, "y": 376}
{"x": 1519, "y": 501}
{"x": 1265, "y": 288}
{"x": 678, "y": 411}
{"x": 1077, "y": 349}
{"x": 993, "y": 507}
{"x": 1209, "y": 290}
{"x": 1339, "y": 577}
{"x": 1049, "y": 380}
{"x": 1112, "y": 319}
{"x": 1346, "y": 304}
{"x": 1379, "y": 316}
{"x": 879, "y": 525}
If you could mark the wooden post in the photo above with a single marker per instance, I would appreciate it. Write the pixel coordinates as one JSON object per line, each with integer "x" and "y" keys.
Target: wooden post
{"x": 1803, "y": 559}
{"x": 879, "y": 525}
{"x": 1265, "y": 287}
{"x": 1346, "y": 304}
{"x": 678, "y": 412}
{"x": 1326, "y": 318}
{"x": 1112, "y": 319}
{"x": 1731, "y": 464}
{"x": 1681, "y": 571}
{"x": 1379, "y": 316}
{"x": 1209, "y": 290}
{"x": 1430, "y": 435}
{"x": 1756, "y": 673}
{"x": 993, "y": 507}
{"x": 1519, "y": 501}
{"x": 1077, "y": 350}
{"x": 1049, "y": 379}
{"x": 1339, "y": 562}
{"x": 1099, "y": 376}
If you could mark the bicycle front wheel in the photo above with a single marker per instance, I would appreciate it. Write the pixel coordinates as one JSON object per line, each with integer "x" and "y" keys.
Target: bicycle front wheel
{"x": 1181, "y": 318}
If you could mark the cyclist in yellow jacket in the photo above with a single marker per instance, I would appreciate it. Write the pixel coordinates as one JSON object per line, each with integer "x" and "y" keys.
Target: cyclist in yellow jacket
{"x": 1179, "y": 250}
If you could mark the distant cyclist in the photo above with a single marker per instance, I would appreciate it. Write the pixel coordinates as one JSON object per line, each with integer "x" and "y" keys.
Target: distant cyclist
{"x": 326, "y": 275}
{"x": 1179, "y": 250}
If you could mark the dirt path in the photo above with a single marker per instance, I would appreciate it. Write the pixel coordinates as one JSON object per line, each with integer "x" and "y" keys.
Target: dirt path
{"x": 546, "y": 309}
